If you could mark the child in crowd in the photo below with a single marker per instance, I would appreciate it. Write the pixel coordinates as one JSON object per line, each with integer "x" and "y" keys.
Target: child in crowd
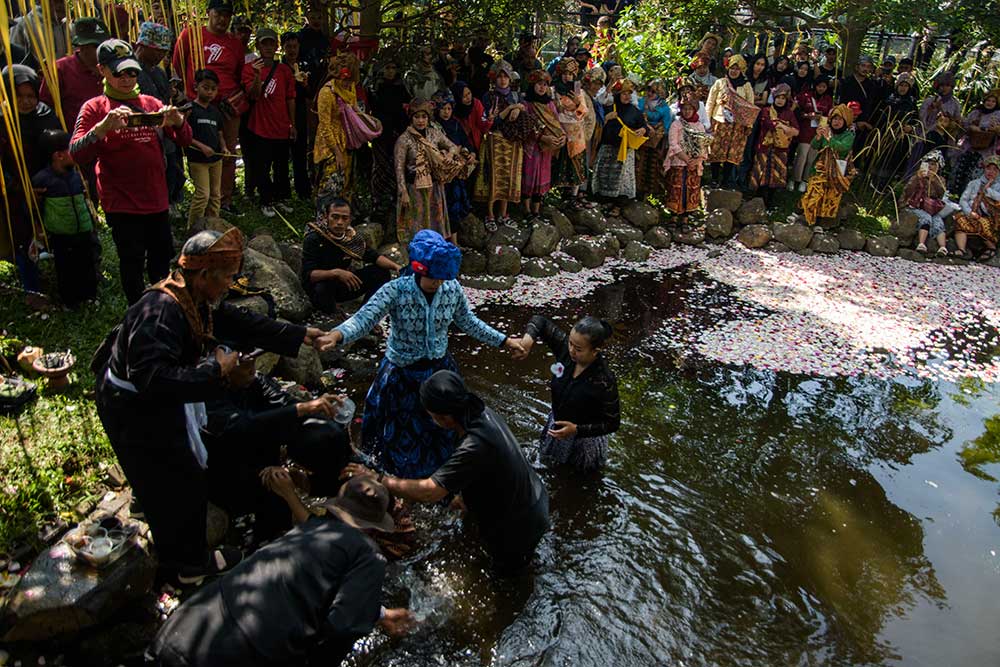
{"x": 271, "y": 128}
{"x": 66, "y": 218}
{"x": 205, "y": 152}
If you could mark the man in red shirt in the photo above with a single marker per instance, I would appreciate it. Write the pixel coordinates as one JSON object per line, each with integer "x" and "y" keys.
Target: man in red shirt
{"x": 78, "y": 78}
{"x": 222, "y": 53}
{"x": 271, "y": 86}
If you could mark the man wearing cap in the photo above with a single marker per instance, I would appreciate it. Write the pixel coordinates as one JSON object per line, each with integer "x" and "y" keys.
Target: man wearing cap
{"x": 222, "y": 52}
{"x": 155, "y": 369}
{"x": 303, "y": 599}
{"x": 121, "y": 129}
{"x": 502, "y": 493}
{"x": 78, "y": 76}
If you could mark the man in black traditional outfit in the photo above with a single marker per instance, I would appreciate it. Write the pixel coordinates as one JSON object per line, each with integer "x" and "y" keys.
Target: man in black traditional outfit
{"x": 155, "y": 369}
{"x": 502, "y": 493}
{"x": 303, "y": 599}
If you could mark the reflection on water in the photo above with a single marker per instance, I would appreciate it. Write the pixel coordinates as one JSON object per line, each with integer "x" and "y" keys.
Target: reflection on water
{"x": 744, "y": 518}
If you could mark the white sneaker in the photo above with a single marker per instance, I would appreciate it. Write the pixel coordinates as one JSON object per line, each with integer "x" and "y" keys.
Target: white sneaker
{"x": 283, "y": 207}
{"x": 268, "y": 211}
{"x": 791, "y": 186}
{"x": 802, "y": 186}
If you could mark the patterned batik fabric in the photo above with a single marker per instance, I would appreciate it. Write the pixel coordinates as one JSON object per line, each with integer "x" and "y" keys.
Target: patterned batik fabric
{"x": 582, "y": 453}
{"x": 728, "y": 142}
{"x": 683, "y": 190}
{"x": 611, "y": 177}
{"x": 770, "y": 169}
{"x": 396, "y": 431}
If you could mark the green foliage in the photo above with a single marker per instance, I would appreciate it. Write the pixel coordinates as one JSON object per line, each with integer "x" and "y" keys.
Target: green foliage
{"x": 649, "y": 45}
{"x": 983, "y": 450}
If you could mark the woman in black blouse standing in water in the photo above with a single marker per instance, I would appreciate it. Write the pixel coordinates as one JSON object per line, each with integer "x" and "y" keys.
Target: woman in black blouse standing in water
{"x": 585, "y": 409}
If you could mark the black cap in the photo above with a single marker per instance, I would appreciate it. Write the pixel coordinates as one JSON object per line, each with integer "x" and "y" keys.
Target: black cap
{"x": 265, "y": 33}
{"x": 220, "y": 5}
{"x": 117, "y": 55}
{"x": 89, "y": 31}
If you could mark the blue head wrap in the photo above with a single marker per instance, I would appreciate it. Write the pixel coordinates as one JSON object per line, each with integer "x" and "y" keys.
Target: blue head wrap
{"x": 433, "y": 257}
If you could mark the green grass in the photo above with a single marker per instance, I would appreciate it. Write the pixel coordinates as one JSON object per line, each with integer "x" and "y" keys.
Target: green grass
{"x": 53, "y": 456}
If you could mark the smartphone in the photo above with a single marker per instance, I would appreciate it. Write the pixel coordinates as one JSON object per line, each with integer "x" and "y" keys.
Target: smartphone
{"x": 145, "y": 119}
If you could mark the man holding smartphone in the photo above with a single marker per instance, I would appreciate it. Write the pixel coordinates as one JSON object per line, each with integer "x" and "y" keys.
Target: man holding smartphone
{"x": 122, "y": 130}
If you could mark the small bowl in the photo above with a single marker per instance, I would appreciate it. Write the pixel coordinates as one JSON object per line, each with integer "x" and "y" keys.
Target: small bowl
{"x": 345, "y": 412}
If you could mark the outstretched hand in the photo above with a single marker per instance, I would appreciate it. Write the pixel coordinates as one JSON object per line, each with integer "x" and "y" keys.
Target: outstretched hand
{"x": 397, "y": 622}
{"x": 312, "y": 333}
{"x": 355, "y": 470}
{"x": 328, "y": 340}
{"x": 517, "y": 350}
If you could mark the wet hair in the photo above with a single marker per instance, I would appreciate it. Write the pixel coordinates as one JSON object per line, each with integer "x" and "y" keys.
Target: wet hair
{"x": 206, "y": 75}
{"x": 53, "y": 141}
{"x": 596, "y": 330}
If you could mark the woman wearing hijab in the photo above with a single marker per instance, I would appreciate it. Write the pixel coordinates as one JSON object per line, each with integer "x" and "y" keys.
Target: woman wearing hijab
{"x": 924, "y": 197}
{"x": 625, "y": 130}
{"x": 731, "y": 108}
{"x": 982, "y": 126}
{"x": 687, "y": 149}
{"x": 781, "y": 68}
{"x": 425, "y": 162}
{"x": 811, "y": 107}
{"x": 757, "y": 75}
{"x": 649, "y": 158}
{"x": 469, "y": 114}
{"x": 569, "y": 167}
{"x": 800, "y": 78}
{"x": 500, "y": 491}
{"x": 333, "y": 158}
{"x": 456, "y": 192}
{"x": 778, "y": 128}
{"x": 546, "y": 138}
{"x": 834, "y": 169}
{"x": 585, "y": 407}
{"x": 423, "y": 302}
{"x": 501, "y": 156}
{"x": 980, "y": 214}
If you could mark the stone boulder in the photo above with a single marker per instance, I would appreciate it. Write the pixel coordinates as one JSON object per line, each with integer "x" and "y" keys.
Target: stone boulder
{"x": 658, "y": 237}
{"x": 805, "y": 252}
{"x": 911, "y": 255}
{"x": 543, "y": 240}
{"x": 489, "y": 282}
{"x": 213, "y": 224}
{"x": 641, "y": 215}
{"x": 253, "y": 304}
{"x": 539, "y": 267}
{"x": 305, "y": 369}
{"x": 753, "y": 212}
{"x": 693, "y": 237}
{"x": 719, "y": 224}
{"x": 589, "y": 219}
{"x": 567, "y": 263}
{"x": 281, "y": 283}
{"x": 585, "y": 249}
{"x": 905, "y": 227}
{"x": 828, "y": 224}
{"x": 794, "y": 236}
{"x": 292, "y": 254}
{"x": 824, "y": 243}
{"x": 625, "y": 233}
{"x": 611, "y": 245}
{"x": 777, "y": 246}
{"x": 636, "y": 251}
{"x": 731, "y": 200}
{"x": 503, "y": 260}
{"x": 754, "y": 236}
{"x": 397, "y": 252}
{"x": 851, "y": 239}
{"x": 882, "y": 246}
{"x": 265, "y": 243}
{"x": 471, "y": 232}
{"x": 372, "y": 233}
{"x": 847, "y": 211}
{"x": 511, "y": 236}
{"x": 560, "y": 220}
{"x": 473, "y": 263}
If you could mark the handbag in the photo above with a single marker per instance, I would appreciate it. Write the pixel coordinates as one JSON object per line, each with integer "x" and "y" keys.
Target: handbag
{"x": 980, "y": 140}
{"x": 932, "y": 205}
{"x": 359, "y": 127}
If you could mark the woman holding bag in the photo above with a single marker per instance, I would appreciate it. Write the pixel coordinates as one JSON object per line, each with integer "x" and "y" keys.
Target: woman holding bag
{"x": 425, "y": 161}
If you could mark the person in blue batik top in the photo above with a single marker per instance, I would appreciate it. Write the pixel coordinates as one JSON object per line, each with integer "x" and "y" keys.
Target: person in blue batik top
{"x": 422, "y": 303}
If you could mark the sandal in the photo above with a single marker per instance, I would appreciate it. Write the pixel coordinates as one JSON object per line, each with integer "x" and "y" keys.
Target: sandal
{"x": 490, "y": 224}
{"x": 509, "y": 222}
{"x": 941, "y": 252}
{"x": 921, "y": 247}
{"x": 987, "y": 255}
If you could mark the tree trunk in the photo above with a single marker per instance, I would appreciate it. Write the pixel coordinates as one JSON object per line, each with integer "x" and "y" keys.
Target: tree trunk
{"x": 371, "y": 18}
{"x": 852, "y": 36}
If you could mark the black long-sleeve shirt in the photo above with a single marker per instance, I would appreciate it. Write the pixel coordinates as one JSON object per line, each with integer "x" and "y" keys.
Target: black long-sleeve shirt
{"x": 155, "y": 350}
{"x": 318, "y": 254}
{"x": 591, "y": 400}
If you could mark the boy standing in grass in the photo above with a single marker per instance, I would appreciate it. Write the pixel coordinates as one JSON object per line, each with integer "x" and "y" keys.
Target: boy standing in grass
{"x": 66, "y": 219}
{"x": 205, "y": 152}
{"x": 271, "y": 86}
